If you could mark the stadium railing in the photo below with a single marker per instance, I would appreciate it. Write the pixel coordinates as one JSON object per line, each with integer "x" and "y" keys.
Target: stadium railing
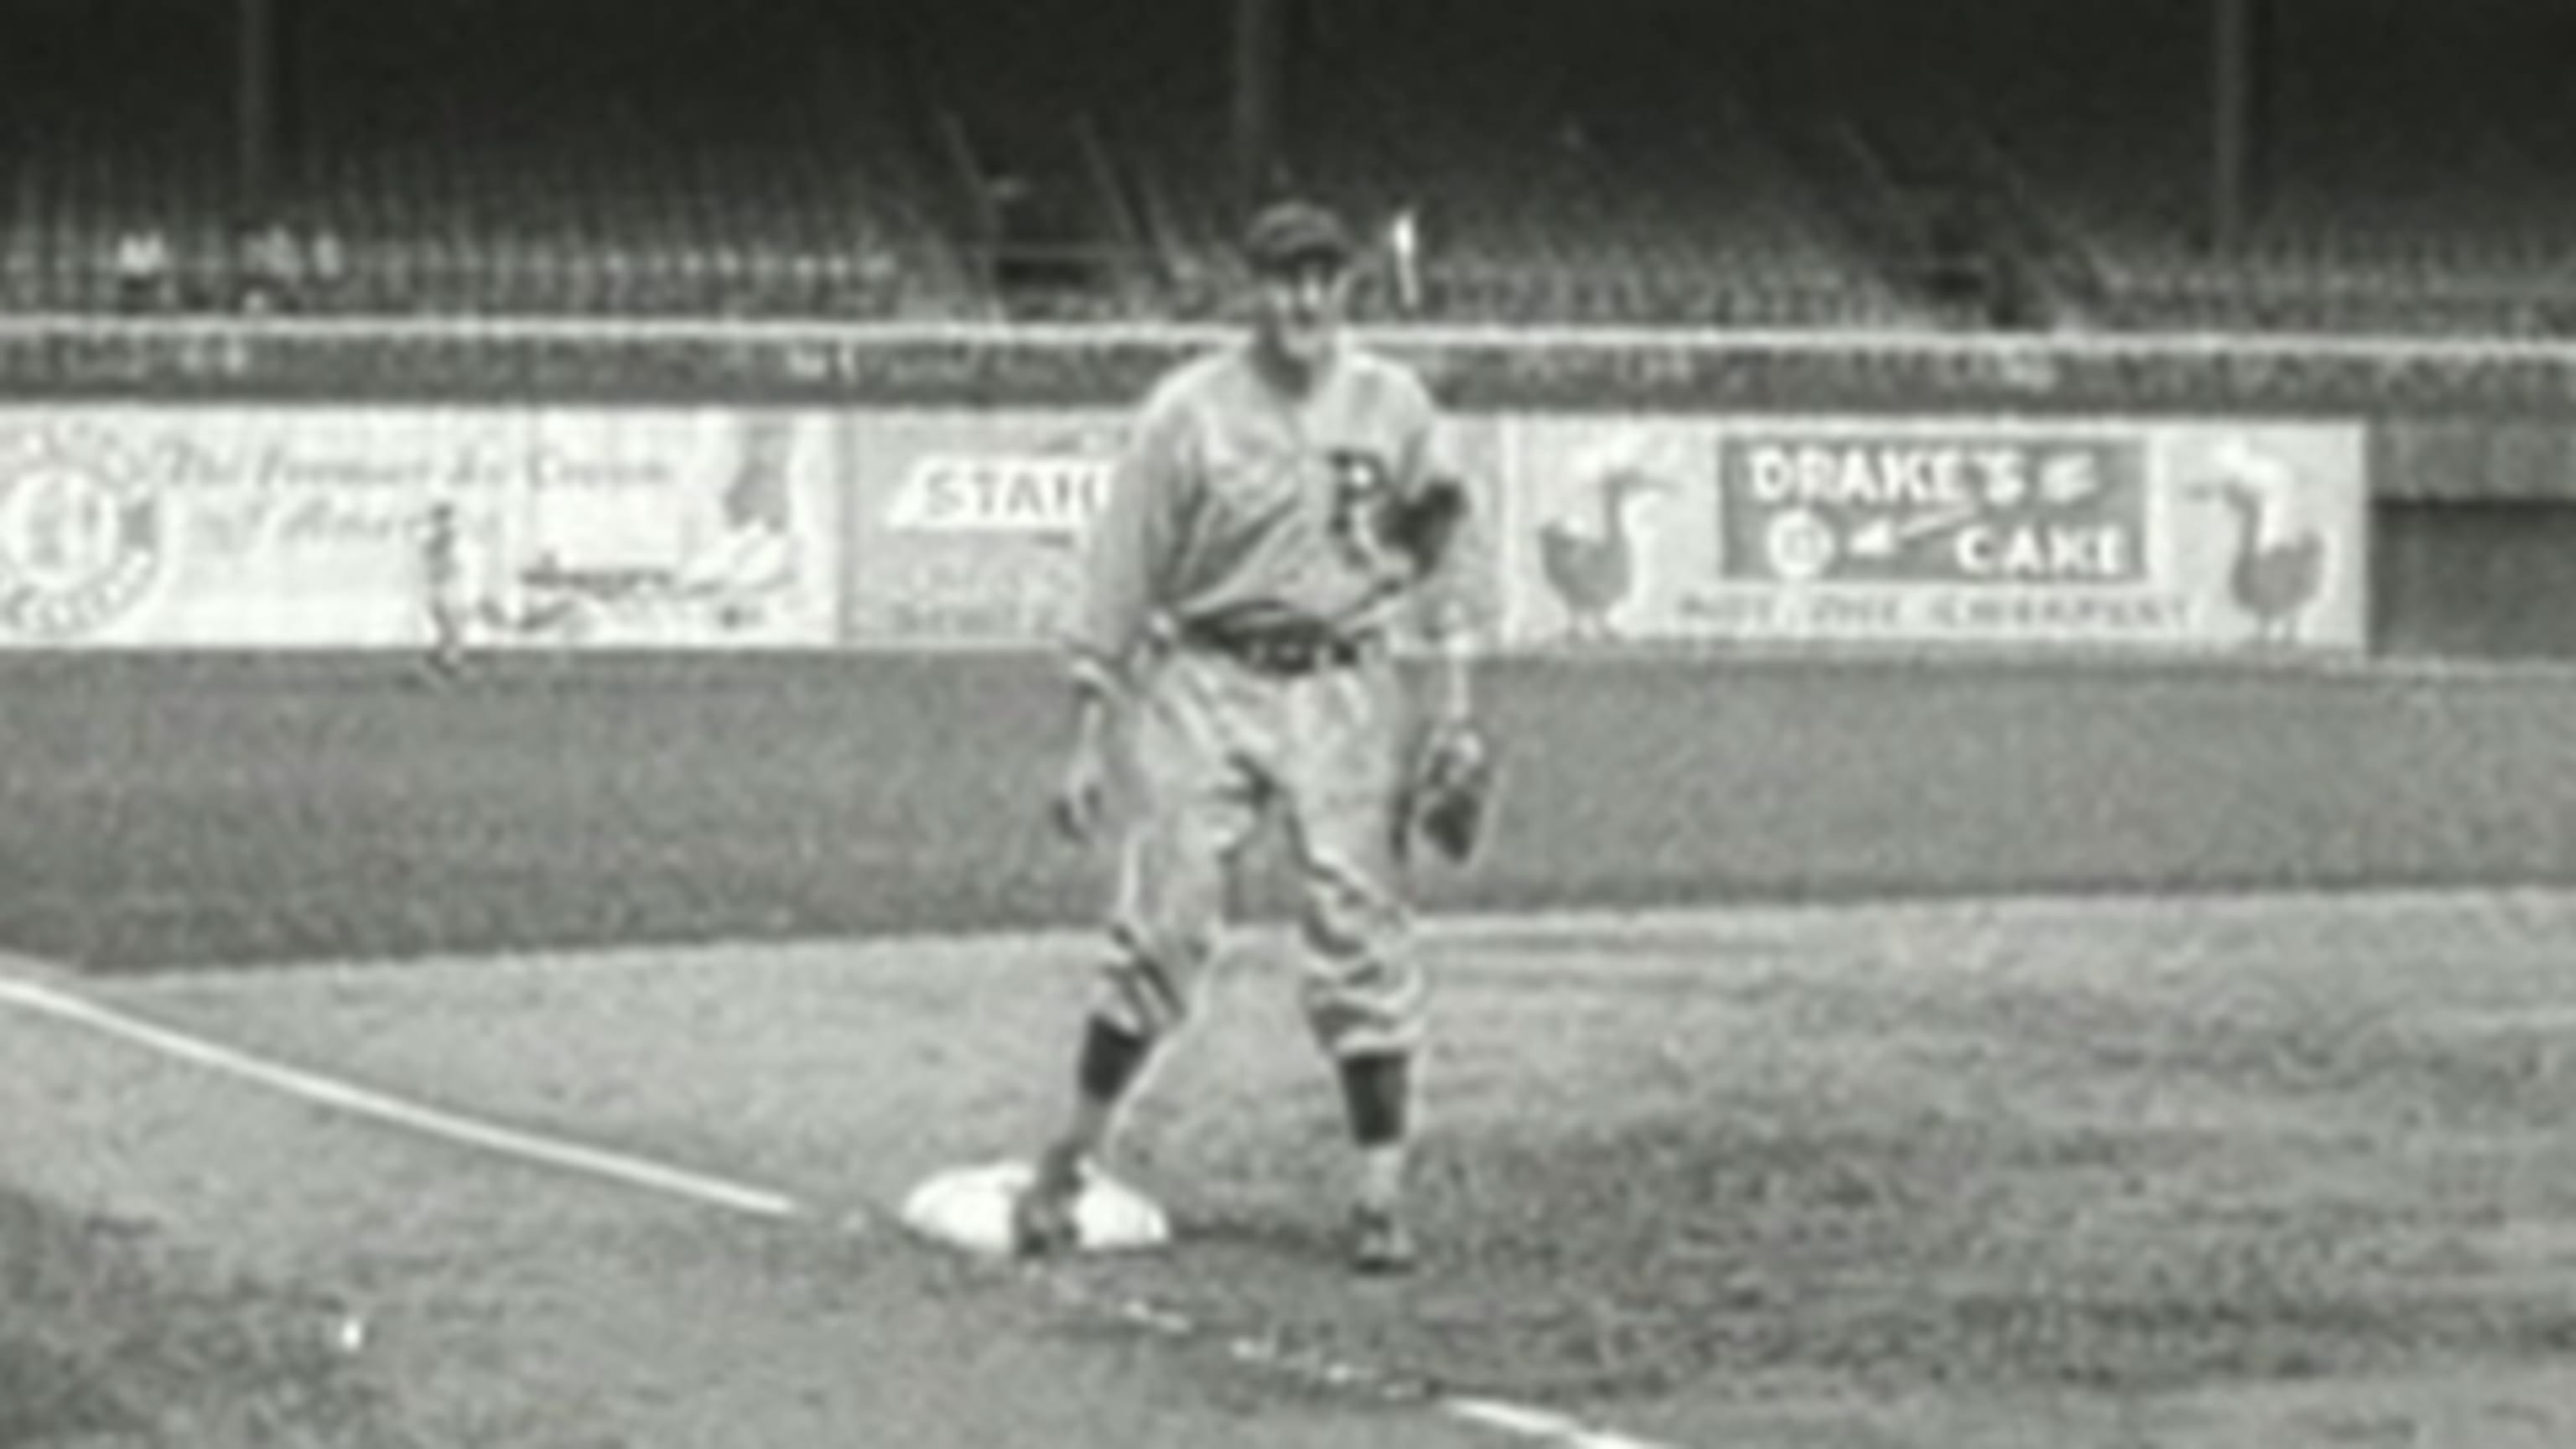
{"x": 281, "y": 358}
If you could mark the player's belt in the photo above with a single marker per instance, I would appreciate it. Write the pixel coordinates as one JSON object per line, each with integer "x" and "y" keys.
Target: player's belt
{"x": 1285, "y": 649}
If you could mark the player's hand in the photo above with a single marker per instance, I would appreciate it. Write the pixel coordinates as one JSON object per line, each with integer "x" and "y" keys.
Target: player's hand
{"x": 1450, "y": 789}
{"x": 1081, "y": 797}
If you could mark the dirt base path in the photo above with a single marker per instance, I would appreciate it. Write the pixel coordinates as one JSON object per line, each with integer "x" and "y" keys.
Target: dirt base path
{"x": 2279, "y": 1172}
{"x": 513, "y": 1303}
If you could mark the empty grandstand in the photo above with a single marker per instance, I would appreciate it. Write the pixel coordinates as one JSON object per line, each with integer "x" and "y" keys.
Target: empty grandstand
{"x": 1955, "y": 164}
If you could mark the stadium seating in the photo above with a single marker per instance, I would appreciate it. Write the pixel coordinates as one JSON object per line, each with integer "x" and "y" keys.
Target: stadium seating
{"x": 474, "y": 157}
{"x": 2402, "y": 161}
{"x": 1545, "y": 184}
{"x": 1836, "y": 163}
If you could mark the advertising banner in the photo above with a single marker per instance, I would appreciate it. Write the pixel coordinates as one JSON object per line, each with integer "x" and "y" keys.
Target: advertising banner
{"x": 218, "y": 526}
{"x": 280, "y": 527}
{"x": 967, "y": 528}
{"x": 2043, "y": 533}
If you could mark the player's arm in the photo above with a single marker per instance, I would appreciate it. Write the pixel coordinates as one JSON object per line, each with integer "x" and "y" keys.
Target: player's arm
{"x": 1127, "y": 553}
{"x": 1447, "y": 609}
{"x": 1443, "y": 794}
{"x": 1125, "y": 559}
{"x": 1455, "y": 640}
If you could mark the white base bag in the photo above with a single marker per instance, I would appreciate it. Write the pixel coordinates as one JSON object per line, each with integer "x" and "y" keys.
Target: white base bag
{"x": 969, "y": 1209}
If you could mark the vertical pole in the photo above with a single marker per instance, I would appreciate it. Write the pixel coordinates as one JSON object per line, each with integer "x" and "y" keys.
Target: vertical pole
{"x": 1256, "y": 98}
{"x": 254, "y": 111}
{"x": 2231, "y": 120}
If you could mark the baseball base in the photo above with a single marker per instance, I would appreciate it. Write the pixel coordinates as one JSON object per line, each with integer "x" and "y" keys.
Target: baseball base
{"x": 969, "y": 1209}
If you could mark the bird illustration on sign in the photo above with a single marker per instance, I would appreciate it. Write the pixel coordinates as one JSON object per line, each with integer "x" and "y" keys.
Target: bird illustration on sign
{"x": 2273, "y": 579}
{"x": 1591, "y": 565}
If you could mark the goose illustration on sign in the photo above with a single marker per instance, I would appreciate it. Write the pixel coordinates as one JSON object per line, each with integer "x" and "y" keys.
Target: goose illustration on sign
{"x": 1592, "y": 569}
{"x": 80, "y": 535}
{"x": 2273, "y": 576}
{"x": 2042, "y": 532}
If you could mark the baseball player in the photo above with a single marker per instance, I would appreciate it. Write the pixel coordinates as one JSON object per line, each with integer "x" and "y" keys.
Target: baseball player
{"x": 442, "y": 570}
{"x": 1231, "y": 660}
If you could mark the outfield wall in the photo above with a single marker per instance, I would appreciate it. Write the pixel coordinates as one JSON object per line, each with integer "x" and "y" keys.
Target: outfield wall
{"x": 219, "y": 484}
{"x": 220, "y": 525}
{"x": 154, "y": 526}
{"x": 2100, "y": 533}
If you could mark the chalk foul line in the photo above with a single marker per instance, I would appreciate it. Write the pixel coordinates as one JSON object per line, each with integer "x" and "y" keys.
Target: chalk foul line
{"x": 359, "y": 1101}
{"x": 1521, "y": 1422}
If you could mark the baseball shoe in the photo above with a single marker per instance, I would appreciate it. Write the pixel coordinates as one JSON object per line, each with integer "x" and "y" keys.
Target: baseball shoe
{"x": 1380, "y": 1243}
{"x": 1043, "y": 1224}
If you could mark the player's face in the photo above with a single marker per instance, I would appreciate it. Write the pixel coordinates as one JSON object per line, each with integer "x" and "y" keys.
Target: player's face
{"x": 1301, "y": 309}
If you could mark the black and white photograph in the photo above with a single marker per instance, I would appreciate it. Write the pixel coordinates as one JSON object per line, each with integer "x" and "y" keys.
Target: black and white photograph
{"x": 1312, "y": 724}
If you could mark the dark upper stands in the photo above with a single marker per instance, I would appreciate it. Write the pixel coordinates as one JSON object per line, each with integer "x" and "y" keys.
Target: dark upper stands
{"x": 502, "y": 156}
{"x": 2408, "y": 166}
{"x": 1896, "y": 163}
{"x": 634, "y": 157}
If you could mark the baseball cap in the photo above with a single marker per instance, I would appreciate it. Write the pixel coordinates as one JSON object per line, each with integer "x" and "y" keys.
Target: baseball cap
{"x": 1289, "y": 232}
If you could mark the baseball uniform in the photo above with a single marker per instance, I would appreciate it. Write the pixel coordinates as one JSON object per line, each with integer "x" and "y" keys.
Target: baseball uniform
{"x": 443, "y": 585}
{"x": 1241, "y": 597}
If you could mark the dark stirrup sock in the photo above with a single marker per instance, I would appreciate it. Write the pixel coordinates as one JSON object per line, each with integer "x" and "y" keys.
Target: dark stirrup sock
{"x": 1377, "y": 1090}
{"x": 1111, "y": 1058}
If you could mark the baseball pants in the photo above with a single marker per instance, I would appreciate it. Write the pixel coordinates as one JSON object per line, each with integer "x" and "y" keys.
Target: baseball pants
{"x": 1212, "y": 747}
{"x": 447, "y": 616}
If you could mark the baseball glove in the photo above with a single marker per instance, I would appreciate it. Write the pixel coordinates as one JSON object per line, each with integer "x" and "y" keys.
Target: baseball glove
{"x": 1449, "y": 791}
{"x": 1421, "y": 525}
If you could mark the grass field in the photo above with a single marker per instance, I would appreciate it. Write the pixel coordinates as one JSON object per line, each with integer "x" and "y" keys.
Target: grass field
{"x": 187, "y": 812}
{"x": 2146, "y": 1166}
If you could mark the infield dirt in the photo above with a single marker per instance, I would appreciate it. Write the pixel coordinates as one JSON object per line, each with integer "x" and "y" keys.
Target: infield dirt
{"x": 2278, "y": 1170}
